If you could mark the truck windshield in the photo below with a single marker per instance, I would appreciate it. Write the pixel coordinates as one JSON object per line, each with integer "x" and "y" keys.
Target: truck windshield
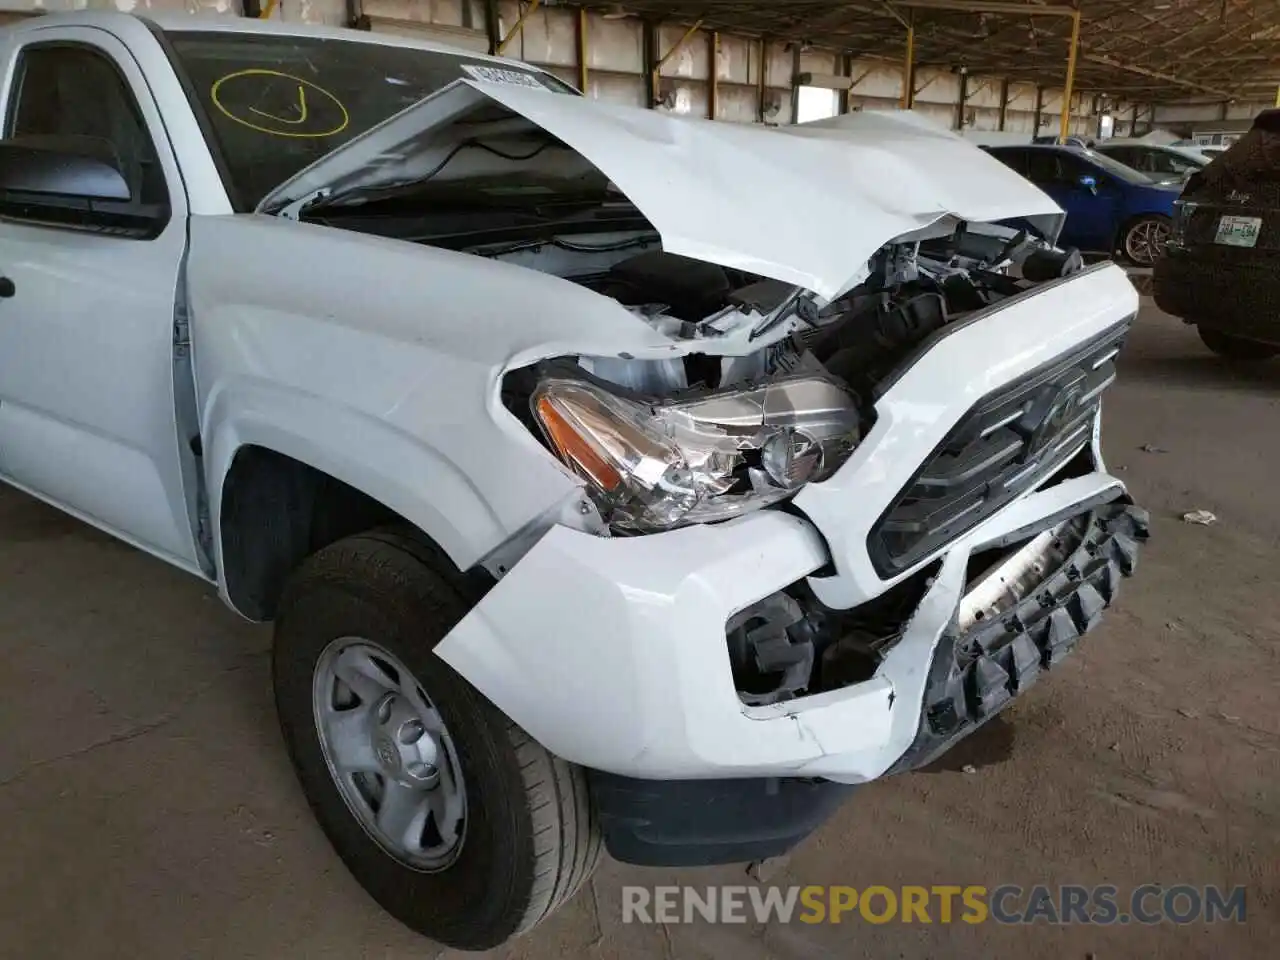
{"x": 273, "y": 104}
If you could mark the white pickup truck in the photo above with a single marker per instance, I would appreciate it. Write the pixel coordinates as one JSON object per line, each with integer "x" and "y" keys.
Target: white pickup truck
{"x": 610, "y": 477}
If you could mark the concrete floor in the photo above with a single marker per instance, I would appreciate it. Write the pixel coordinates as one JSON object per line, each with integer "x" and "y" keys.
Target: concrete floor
{"x": 149, "y": 811}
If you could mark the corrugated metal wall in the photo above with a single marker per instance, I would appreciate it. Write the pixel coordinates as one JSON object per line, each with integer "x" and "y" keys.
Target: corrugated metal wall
{"x": 616, "y": 61}
{"x": 1201, "y": 119}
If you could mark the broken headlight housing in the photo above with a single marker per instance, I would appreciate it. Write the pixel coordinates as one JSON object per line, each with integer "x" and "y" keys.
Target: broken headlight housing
{"x": 657, "y": 465}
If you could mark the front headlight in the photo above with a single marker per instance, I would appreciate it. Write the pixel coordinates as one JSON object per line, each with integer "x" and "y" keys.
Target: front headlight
{"x": 655, "y": 466}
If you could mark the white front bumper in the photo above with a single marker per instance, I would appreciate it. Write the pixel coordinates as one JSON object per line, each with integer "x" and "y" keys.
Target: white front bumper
{"x": 612, "y": 653}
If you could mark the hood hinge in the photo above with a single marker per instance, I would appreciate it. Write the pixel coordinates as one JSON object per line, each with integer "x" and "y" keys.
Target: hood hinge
{"x": 293, "y": 210}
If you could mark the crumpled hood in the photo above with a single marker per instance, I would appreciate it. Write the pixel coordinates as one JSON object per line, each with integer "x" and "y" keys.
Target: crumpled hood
{"x": 807, "y": 206}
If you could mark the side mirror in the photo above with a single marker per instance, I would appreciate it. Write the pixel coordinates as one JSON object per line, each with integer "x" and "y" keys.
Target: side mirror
{"x": 1090, "y": 184}
{"x": 67, "y": 168}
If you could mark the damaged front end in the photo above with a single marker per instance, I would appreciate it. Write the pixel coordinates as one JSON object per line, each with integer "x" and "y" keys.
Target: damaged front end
{"x": 772, "y": 388}
{"x": 991, "y": 540}
{"x": 797, "y": 443}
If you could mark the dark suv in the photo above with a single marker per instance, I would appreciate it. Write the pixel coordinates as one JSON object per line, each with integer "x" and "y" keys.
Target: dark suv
{"x": 1221, "y": 268}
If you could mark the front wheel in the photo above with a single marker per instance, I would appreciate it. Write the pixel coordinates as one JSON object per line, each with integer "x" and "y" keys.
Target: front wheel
{"x": 456, "y": 821}
{"x": 1144, "y": 239}
{"x": 1236, "y": 348}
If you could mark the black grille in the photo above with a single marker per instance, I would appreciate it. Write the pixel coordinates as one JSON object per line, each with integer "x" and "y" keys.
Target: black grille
{"x": 1007, "y": 444}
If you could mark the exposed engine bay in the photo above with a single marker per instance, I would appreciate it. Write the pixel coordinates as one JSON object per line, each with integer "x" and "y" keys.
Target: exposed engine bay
{"x": 911, "y": 290}
{"x": 773, "y": 388}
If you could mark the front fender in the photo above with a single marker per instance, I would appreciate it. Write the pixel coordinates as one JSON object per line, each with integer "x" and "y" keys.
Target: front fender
{"x": 397, "y": 469}
{"x": 379, "y": 363}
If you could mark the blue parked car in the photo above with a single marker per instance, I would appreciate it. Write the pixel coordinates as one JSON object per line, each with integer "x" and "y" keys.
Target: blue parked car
{"x": 1110, "y": 208}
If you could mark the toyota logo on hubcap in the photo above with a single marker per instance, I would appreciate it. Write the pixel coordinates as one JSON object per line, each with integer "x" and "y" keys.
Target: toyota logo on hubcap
{"x": 387, "y": 753}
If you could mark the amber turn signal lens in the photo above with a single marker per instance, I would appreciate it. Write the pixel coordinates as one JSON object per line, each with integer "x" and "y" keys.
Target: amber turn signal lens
{"x": 573, "y": 448}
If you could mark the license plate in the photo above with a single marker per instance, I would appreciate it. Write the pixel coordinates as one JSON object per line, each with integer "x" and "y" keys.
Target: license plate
{"x": 1239, "y": 231}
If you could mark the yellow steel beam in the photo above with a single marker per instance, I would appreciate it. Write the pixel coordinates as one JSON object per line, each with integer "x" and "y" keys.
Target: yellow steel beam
{"x": 662, "y": 62}
{"x": 268, "y": 10}
{"x": 909, "y": 66}
{"x": 855, "y": 80}
{"x": 893, "y": 12}
{"x": 582, "y": 49}
{"x": 518, "y": 28}
{"x": 676, "y": 48}
{"x": 1072, "y": 55}
{"x": 1278, "y": 96}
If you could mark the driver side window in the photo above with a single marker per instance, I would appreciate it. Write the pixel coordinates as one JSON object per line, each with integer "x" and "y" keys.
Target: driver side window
{"x": 1043, "y": 167}
{"x": 1071, "y": 169}
{"x": 71, "y": 97}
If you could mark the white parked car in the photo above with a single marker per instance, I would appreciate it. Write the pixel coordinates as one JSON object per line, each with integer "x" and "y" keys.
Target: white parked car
{"x": 1157, "y": 161}
{"x": 609, "y": 476}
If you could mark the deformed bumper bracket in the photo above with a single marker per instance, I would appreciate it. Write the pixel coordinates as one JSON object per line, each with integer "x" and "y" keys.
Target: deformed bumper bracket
{"x": 1006, "y": 654}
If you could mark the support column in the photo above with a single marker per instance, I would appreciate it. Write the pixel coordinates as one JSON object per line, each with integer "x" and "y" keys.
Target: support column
{"x": 1035, "y": 124}
{"x": 492, "y": 26}
{"x": 909, "y": 65}
{"x": 581, "y": 38}
{"x": 1069, "y": 88}
{"x": 713, "y": 65}
{"x": 962, "y": 99}
{"x": 846, "y": 69}
{"x": 1004, "y": 102}
{"x": 762, "y": 78}
{"x": 650, "y": 44}
{"x": 795, "y": 87}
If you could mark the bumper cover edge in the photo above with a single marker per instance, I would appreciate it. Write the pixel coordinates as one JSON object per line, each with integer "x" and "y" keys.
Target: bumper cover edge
{"x": 1031, "y": 636}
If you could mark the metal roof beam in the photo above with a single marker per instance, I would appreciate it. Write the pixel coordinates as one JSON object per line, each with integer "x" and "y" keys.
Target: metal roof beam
{"x": 1153, "y": 74}
{"x": 992, "y": 6}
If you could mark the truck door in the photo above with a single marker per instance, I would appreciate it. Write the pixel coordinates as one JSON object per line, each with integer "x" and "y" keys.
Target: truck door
{"x": 87, "y": 333}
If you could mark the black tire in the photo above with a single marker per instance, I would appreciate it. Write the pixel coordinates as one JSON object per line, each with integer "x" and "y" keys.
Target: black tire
{"x": 531, "y": 838}
{"x": 1144, "y": 254}
{"x": 1236, "y": 348}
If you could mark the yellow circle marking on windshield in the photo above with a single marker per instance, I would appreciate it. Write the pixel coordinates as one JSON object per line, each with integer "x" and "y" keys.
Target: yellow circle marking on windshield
{"x": 297, "y": 113}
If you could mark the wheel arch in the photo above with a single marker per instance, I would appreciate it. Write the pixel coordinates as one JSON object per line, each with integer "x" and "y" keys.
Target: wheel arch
{"x": 287, "y": 479}
{"x": 1131, "y": 217}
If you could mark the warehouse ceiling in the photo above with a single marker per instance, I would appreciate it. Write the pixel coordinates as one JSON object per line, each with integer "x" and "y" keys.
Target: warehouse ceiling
{"x": 1139, "y": 49}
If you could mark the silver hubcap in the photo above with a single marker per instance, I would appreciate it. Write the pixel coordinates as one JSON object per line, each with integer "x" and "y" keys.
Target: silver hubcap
{"x": 1145, "y": 241}
{"x": 389, "y": 753}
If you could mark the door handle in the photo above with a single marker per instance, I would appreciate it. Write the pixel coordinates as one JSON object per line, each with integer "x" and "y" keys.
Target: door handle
{"x": 7, "y": 288}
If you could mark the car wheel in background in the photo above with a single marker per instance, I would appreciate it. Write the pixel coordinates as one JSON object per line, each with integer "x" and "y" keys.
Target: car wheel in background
{"x": 1236, "y": 348}
{"x": 1143, "y": 239}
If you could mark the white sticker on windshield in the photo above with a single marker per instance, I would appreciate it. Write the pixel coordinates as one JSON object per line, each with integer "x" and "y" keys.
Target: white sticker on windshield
{"x": 519, "y": 78}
